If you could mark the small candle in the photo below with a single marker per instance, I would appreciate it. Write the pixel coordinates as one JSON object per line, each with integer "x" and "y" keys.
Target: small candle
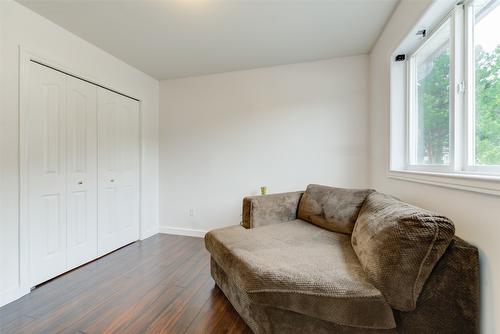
{"x": 263, "y": 190}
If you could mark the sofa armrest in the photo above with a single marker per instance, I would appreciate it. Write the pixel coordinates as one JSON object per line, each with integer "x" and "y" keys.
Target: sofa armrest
{"x": 450, "y": 299}
{"x": 270, "y": 209}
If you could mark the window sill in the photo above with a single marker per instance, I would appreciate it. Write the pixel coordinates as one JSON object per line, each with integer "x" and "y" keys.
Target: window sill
{"x": 483, "y": 184}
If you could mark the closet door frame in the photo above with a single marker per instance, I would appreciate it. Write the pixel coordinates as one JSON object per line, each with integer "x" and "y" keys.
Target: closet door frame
{"x": 27, "y": 55}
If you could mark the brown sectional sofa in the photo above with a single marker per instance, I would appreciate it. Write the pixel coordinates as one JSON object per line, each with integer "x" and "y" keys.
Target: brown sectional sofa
{"x": 332, "y": 260}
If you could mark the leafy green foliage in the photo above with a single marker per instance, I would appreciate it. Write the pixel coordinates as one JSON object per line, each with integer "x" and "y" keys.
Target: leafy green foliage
{"x": 433, "y": 97}
{"x": 487, "y": 107}
{"x": 434, "y": 115}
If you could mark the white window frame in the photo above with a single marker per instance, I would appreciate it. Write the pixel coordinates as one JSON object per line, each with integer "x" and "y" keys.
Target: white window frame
{"x": 469, "y": 106}
{"x": 462, "y": 114}
{"x": 412, "y": 106}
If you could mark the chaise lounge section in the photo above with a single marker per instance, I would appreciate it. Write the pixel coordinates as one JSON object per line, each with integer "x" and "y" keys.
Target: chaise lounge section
{"x": 333, "y": 260}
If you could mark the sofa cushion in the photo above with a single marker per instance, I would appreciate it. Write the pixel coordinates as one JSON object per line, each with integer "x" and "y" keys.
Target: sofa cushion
{"x": 334, "y": 209}
{"x": 300, "y": 267}
{"x": 398, "y": 245}
{"x": 270, "y": 209}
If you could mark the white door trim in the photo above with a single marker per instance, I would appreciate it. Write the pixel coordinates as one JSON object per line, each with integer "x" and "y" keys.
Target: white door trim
{"x": 26, "y": 55}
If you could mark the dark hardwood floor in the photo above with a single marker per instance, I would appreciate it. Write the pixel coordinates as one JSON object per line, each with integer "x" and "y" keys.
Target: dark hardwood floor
{"x": 159, "y": 285}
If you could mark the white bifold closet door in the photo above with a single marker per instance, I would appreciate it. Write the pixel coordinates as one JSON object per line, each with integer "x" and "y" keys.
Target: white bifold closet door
{"x": 61, "y": 129}
{"x": 118, "y": 133}
{"x": 81, "y": 160}
{"x": 81, "y": 171}
{"x": 46, "y": 172}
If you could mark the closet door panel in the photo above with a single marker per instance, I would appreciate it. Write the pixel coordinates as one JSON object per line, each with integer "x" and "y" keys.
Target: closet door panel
{"x": 45, "y": 136}
{"x": 108, "y": 157}
{"x": 128, "y": 183}
{"x": 118, "y": 152}
{"x": 81, "y": 167}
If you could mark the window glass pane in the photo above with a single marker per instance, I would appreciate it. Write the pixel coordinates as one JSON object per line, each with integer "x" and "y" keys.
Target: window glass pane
{"x": 487, "y": 82}
{"x": 432, "y": 94}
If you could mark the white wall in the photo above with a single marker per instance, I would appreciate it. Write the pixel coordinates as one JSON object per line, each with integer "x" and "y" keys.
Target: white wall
{"x": 476, "y": 216}
{"x": 222, "y": 136}
{"x": 20, "y": 26}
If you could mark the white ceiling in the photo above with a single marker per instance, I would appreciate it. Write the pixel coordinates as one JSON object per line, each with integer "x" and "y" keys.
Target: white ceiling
{"x": 178, "y": 38}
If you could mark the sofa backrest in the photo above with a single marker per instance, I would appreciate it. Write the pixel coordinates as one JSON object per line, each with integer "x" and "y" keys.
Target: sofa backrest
{"x": 270, "y": 209}
{"x": 334, "y": 209}
{"x": 398, "y": 245}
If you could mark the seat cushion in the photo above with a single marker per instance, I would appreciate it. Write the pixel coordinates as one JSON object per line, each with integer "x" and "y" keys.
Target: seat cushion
{"x": 334, "y": 209}
{"x": 300, "y": 267}
{"x": 398, "y": 245}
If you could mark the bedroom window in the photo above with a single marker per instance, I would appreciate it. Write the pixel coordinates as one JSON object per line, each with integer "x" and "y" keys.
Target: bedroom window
{"x": 453, "y": 89}
{"x": 430, "y": 110}
{"x": 484, "y": 72}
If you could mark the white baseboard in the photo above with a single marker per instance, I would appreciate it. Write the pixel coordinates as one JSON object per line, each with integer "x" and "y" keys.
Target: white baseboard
{"x": 12, "y": 294}
{"x": 149, "y": 233}
{"x": 182, "y": 231}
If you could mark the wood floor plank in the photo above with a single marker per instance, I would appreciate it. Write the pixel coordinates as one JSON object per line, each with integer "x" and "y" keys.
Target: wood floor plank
{"x": 177, "y": 317}
{"x": 217, "y": 316}
{"x": 91, "y": 294}
{"x": 158, "y": 285}
{"x": 77, "y": 281}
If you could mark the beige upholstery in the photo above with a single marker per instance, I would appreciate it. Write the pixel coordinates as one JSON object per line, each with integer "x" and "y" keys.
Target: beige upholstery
{"x": 285, "y": 275}
{"x": 297, "y": 266}
{"x": 270, "y": 209}
{"x": 265, "y": 319}
{"x": 398, "y": 245}
{"x": 334, "y": 209}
